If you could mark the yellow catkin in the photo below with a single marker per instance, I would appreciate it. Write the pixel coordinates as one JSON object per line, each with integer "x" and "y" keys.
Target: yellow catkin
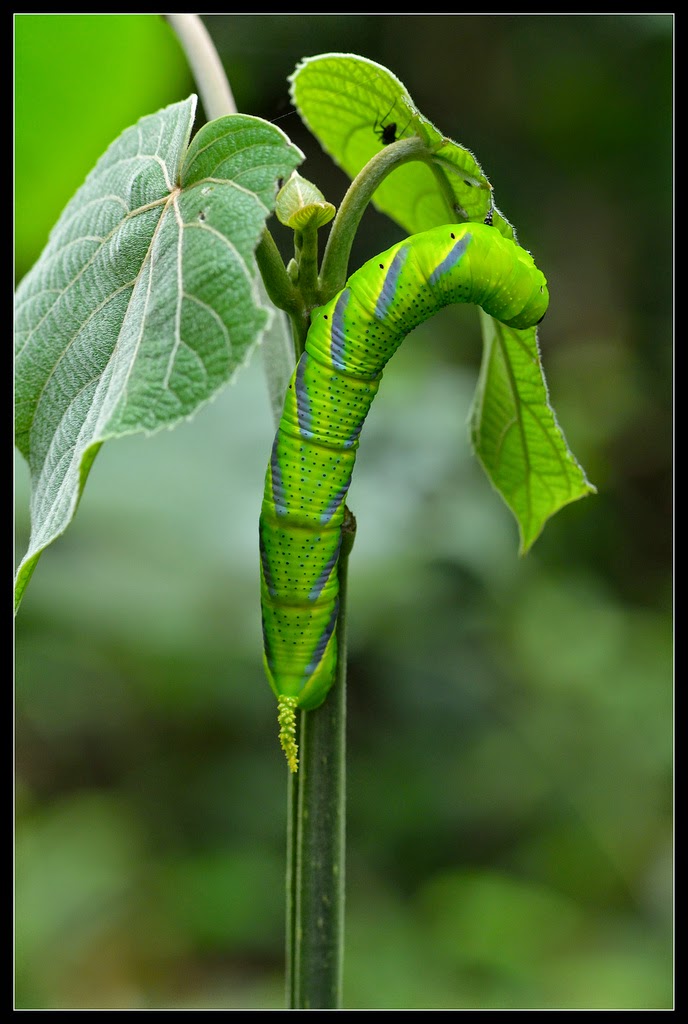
{"x": 287, "y": 734}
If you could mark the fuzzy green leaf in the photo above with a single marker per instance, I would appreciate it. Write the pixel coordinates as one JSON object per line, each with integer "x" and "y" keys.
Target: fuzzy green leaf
{"x": 145, "y": 301}
{"x": 355, "y": 107}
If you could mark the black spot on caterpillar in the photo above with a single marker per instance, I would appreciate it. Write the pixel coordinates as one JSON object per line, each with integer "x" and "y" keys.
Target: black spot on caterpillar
{"x": 349, "y": 343}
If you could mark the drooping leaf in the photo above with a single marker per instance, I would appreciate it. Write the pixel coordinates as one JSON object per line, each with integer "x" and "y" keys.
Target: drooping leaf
{"x": 355, "y": 107}
{"x": 515, "y": 432}
{"x": 144, "y": 302}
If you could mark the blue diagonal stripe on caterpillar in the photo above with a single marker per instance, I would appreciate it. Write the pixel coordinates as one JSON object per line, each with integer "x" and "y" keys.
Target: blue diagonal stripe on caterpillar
{"x": 349, "y": 343}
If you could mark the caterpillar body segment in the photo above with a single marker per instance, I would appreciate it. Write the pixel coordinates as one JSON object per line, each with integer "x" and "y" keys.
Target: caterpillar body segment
{"x": 349, "y": 343}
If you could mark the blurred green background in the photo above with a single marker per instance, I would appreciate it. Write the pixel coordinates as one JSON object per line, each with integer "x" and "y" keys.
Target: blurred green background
{"x": 510, "y": 720}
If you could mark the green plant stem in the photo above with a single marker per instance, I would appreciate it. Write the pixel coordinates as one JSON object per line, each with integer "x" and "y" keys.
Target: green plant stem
{"x": 306, "y": 245}
{"x": 333, "y": 271}
{"x": 278, "y": 285}
{"x": 315, "y": 900}
{"x": 292, "y": 848}
{"x": 204, "y": 61}
{"x": 281, "y": 289}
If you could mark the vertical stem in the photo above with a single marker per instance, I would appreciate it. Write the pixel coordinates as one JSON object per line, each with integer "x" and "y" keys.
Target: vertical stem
{"x": 204, "y": 61}
{"x": 290, "y": 936}
{"x": 317, "y": 900}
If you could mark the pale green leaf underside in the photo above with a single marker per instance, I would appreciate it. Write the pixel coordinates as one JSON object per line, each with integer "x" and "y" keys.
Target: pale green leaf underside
{"x": 346, "y": 101}
{"x": 145, "y": 301}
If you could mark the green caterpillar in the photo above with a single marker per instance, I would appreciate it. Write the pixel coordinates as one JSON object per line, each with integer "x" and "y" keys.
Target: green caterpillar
{"x": 349, "y": 342}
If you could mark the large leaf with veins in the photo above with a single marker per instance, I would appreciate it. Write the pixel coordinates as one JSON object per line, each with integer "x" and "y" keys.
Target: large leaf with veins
{"x": 145, "y": 300}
